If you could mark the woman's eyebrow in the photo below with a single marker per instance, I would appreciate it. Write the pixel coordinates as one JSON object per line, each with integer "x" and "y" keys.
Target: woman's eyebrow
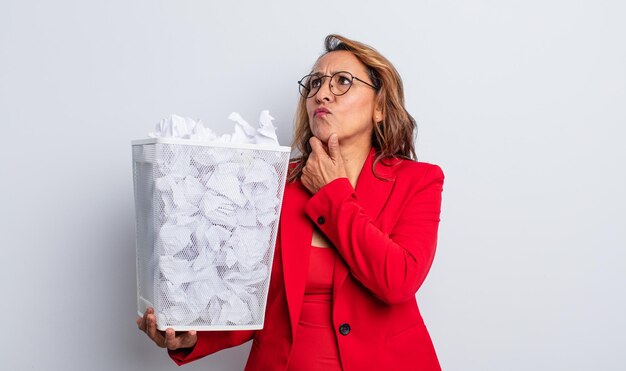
{"x": 318, "y": 73}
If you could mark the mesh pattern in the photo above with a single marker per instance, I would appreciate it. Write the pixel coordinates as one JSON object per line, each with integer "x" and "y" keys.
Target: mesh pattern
{"x": 207, "y": 219}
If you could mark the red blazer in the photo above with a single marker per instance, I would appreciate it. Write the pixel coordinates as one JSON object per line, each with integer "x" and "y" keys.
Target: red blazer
{"x": 385, "y": 233}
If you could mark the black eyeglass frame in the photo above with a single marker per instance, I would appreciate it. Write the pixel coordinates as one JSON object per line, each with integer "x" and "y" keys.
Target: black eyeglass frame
{"x": 307, "y": 96}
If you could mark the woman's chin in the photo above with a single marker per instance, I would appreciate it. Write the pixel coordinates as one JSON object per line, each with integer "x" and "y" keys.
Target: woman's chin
{"x": 322, "y": 130}
{"x": 322, "y": 136}
{"x": 323, "y": 139}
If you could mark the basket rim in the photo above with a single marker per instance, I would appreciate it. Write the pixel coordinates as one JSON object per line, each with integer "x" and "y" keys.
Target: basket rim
{"x": 189, "y": 142}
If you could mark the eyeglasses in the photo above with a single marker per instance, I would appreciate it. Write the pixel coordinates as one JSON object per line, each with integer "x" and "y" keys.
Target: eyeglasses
{"x": 340, "y": 83}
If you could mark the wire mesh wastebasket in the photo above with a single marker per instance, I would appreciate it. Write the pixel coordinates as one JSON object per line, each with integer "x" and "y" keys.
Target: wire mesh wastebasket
{"x": 207, "y": 219}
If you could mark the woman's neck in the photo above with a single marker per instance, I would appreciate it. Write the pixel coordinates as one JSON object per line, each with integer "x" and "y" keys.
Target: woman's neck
{"x": 353, "y": 158}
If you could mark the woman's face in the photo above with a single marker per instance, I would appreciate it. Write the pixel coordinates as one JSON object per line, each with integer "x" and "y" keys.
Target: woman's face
{"x": 351, "y": 116}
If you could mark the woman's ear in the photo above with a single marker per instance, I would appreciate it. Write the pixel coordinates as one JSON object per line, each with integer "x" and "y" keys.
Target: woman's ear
{"x": 378, "y": 115}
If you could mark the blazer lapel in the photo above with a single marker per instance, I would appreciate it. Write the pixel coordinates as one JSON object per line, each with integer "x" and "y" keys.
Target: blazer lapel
{"x": 372, "y": 194}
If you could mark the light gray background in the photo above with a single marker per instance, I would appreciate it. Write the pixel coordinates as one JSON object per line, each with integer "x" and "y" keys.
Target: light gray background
{"x": 522, "y": 103}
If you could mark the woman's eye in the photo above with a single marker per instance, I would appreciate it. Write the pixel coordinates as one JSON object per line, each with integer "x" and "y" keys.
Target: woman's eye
{"x": 315, "y": 83}
{"x": 344, "y": 80}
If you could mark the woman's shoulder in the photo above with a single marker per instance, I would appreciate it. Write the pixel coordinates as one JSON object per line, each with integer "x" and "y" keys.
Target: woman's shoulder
{"x": 402, "y": 166}
{"x": 411, "y": 170}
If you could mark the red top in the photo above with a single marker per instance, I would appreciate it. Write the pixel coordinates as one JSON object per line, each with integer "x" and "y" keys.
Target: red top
{"x": 315, "y": 345}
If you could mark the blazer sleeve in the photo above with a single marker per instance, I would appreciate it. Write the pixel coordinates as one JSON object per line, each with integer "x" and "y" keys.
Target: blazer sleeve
{"x": 210, "y": 342}
{"x": 394, "y": 265}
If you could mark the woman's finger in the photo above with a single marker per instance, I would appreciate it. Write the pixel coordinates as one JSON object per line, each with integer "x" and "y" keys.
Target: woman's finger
{"x": 141, "y": 323}
{"x": 153, "y": 333}
{"x": 318, "y": 148}
{"x": 333, "y": 147}
{"x": 144, "y": 320}
{"x": 175, "y": 341}
{"x": 171, "y": 342}
{"x": 187, "y": 340}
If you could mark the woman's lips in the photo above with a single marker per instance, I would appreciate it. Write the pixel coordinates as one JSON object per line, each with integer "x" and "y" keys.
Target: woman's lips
{"x": 320, "y": 112}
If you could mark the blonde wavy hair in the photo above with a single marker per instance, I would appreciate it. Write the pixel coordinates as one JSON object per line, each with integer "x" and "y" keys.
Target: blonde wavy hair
{"x": 393, "y": 137}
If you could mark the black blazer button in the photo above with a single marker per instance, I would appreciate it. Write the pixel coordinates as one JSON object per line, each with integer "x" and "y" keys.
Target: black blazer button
{"x": 321, "y": 220}
{"x": 344, "y": 329}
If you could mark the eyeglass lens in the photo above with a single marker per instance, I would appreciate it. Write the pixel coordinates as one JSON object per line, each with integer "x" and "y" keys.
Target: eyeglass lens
{"x": 340, "y": 83}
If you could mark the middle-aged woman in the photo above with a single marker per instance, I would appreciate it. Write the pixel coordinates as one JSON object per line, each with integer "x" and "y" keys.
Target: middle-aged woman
{"x": 357, "y": 233}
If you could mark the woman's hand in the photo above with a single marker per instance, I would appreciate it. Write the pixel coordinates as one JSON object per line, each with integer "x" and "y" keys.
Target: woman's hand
{"x": 322, "y": 168}
{"x": 165, "y": 339}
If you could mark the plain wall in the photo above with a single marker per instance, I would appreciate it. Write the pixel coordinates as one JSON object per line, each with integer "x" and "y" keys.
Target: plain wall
{"x": 522, "y": 103}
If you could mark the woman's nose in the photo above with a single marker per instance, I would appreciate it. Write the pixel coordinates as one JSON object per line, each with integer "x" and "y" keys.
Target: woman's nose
{"x": 324, "y": 94}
